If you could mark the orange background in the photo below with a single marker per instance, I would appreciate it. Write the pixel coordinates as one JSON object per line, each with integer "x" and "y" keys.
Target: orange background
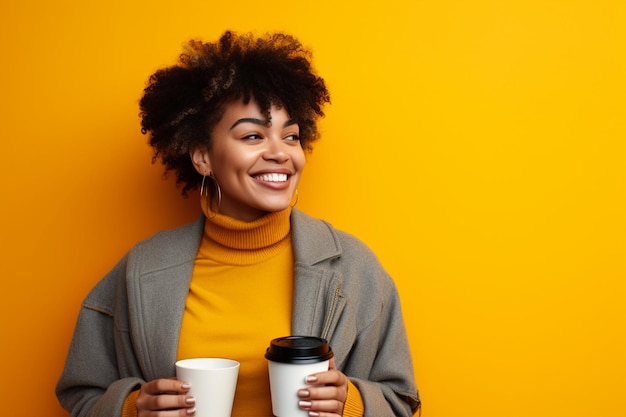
{"x": 476, "y": 146}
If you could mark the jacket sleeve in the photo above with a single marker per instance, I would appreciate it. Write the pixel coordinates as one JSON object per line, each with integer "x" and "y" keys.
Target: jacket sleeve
{"x": 389, "y": 388}
{"x": 379, "y": 361}
{"x": 96, "y": 378}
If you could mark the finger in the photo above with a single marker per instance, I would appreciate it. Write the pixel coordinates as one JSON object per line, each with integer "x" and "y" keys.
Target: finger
{"x": 328, "y": 392}
{"x": 168, "y": 413}
{"x": 331, "y": 377}
{"x": 161, "y": 386}
{"x": 323, "y": 414}
{"x": 326, "y": 407}
{"x": 172, "y": 402}
{"x": 164, "y": 402}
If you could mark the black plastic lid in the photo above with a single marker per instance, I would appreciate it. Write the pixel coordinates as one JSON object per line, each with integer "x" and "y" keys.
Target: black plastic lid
{"x": 299, "y": 350}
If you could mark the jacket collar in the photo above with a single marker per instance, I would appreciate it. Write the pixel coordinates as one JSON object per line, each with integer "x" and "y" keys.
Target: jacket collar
{"x": 314, "y": 240}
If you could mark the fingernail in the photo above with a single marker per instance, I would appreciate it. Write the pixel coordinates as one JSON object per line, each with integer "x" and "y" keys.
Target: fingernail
{"x": 304, "y": 404}
{"x": 311, "y": 378}
{"x": 191, "y": 411}
{"x": 303, "y": 393}
{"x": 190, "y": 400}
{"x": 185, "y": 385}
{"x": 314, "y": 414}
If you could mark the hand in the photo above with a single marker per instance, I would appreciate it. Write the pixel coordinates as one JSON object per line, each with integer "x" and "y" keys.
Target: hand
{"x": 327, "y": 399}
{"x": 165, "y": 398}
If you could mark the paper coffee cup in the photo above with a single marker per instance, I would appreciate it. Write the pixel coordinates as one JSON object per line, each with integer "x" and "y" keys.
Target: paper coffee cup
{"x": 213, "y": 384}
{"x": 290, "y": 360}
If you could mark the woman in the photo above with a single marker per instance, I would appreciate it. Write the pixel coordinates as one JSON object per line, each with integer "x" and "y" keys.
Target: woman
{"x": 235, "y": 118}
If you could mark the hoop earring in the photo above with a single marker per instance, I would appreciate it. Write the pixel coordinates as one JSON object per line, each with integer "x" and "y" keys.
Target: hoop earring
{"x": 207, "y": 195}
{"x": 202, "y": 185}
{"x": 218, "y": 189}
{"x": 295, "y": 202}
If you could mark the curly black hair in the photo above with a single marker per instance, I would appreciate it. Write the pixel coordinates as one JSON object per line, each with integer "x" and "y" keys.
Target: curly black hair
{"x": 182, "y": 104}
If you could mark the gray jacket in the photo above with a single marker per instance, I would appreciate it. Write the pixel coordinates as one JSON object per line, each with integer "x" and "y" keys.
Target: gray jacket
{"x": 128, "y": 327}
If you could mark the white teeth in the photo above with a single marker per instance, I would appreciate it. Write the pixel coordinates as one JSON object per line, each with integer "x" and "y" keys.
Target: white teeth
{"x": 272, "y": 177}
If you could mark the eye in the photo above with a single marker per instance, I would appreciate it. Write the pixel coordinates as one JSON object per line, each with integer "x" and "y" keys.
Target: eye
{"x": 292, "y": 137}
{"x": 252, "y": 136}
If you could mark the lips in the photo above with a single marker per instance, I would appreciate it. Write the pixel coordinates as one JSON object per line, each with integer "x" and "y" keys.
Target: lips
{"x": 273, "y": 177}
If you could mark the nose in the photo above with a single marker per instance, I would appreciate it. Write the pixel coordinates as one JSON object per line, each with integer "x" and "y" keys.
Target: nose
{"x": 276, "y": 151}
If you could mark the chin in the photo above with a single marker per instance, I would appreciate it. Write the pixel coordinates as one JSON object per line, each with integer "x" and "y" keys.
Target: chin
{"x": 272, "y": 208}
{"x": 275, "y": 209}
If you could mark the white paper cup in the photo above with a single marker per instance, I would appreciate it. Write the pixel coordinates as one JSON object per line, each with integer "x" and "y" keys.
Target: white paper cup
{"x": 285, "y": 381}
{"x": 213, "y": 384}
{"x": 290, "y": 360}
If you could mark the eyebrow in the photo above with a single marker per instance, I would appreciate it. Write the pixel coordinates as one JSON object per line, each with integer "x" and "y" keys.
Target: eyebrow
{"x": 259, "y": 122}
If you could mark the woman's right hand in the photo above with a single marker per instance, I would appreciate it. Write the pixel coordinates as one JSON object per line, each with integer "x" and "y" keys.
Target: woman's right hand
{"x": 165, "y": 398}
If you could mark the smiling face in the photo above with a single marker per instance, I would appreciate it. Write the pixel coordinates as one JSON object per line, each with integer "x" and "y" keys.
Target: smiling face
{"x": 257, "y": 165}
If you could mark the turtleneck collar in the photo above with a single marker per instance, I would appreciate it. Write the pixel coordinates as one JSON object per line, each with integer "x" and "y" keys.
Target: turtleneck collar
{"x": 235, "y": 242}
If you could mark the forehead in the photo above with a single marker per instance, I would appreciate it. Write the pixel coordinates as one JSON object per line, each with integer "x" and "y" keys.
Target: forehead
{"x": 235, "y": 110}
{"x": 238, "y": 107}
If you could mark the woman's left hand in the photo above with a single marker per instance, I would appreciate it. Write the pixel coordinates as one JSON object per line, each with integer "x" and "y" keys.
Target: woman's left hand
{"x": 327, "y": 394}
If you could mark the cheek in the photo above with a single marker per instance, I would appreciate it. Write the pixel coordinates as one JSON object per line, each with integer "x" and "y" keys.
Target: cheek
{"x": 299, "y": 160}
{"x": 232, "y": 162}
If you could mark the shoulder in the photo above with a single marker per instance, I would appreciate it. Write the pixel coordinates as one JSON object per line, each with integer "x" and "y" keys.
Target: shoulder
{"x": 320, "y": 235}
{"x": 167, "y": 247}
{"x": 163, "y": 249}
{"x": 317, "y": 243}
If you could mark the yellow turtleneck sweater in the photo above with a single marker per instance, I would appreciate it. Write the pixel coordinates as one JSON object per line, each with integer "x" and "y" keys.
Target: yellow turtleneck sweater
{"x": 240, "y": 298}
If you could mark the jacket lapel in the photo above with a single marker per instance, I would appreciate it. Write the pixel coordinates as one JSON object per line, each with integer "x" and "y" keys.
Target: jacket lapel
{"x": 159, "y": 295}
{"x": 318, "y": 298}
